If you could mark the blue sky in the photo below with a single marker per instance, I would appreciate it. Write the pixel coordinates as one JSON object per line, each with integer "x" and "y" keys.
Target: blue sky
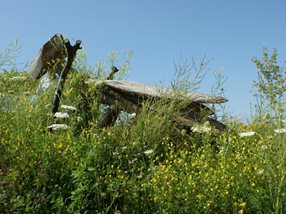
{"x": 229, "y": 32}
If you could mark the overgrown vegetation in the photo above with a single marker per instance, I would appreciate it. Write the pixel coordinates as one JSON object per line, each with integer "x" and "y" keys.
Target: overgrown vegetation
{"x": 270, "y": 87}
{"x": 151, "y": 166}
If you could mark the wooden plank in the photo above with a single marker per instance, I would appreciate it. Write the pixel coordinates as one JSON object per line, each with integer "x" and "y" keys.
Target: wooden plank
{"x": 147, "y": 90}
{"x": 130, "y": 96}
{"x": 51, "y": 52}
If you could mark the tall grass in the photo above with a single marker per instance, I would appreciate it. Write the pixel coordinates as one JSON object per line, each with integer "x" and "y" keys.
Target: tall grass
{"x": 154, "y": 165}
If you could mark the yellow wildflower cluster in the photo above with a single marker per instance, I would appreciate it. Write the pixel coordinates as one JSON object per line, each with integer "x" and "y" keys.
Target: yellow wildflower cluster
{"x": 209, "y": 180}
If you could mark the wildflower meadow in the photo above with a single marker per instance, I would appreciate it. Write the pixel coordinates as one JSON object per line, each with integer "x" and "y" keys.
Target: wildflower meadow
{"x": 152, "y": 165}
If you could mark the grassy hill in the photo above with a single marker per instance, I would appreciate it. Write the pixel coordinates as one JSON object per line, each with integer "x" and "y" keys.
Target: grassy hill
{"x": 151, "y": 166}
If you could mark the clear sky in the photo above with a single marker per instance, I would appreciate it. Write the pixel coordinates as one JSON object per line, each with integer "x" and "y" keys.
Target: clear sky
{"x": 160, "y": 33}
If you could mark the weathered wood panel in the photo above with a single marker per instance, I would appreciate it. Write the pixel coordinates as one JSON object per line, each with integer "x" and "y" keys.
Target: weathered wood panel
{"x": 143, "y": 89}
{"x": 51, "y": 52}
{"x": 132, "y": 94}
{"x": 129, "y": 96}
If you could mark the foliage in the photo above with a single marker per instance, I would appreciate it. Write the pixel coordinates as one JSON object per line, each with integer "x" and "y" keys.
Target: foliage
{"x": 153, "y": 165}
{"x": 188, "y": 76}
{"x": 270, "y": 85}
{"x": 9, "y": 55}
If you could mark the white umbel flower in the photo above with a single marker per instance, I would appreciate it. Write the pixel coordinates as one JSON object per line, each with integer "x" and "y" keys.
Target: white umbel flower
{"x": 202, "y": 128}
{"x": 58, "y": 126}
{"x": 260, "y": 171}
{"x": 246, "y": 134}
{"x": 278, "y": 131}
{"x": 20, "y": 78}
{"x": 61, "y": 115}
{"x": 133, "y": 115}
{"x": 149, "y": 152}
{"x": 69, "y": 108}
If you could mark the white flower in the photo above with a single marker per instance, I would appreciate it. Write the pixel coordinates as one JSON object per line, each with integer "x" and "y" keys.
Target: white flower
{"x": 246, "y": 134}
{"x": 21, "y": 78}
{"x": 260, "y": 171}
{"x": 133, "y": 115}
{"x": 222, "y": 149}
{"x": 149, "y": 151}
{"x": 263, "y": 147}
{"x": 61, "y": 115}
{"x": 70, "y": 108}
{"x": 283, "y": 130}
{"x": 202, "y": 128}
{"x": 115, "y": 153}
{"x": 58, "y": 126}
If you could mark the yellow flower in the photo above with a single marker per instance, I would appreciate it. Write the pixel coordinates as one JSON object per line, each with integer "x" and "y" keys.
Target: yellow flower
{"x": 200, "y": 196}
{"x": 243, "y": 204}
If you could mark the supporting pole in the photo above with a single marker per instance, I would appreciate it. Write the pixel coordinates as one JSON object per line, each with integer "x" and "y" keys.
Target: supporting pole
{"x": 112, "y": 73}
{"x": 110, "y": 116}
{"x": 71, "y": 52}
